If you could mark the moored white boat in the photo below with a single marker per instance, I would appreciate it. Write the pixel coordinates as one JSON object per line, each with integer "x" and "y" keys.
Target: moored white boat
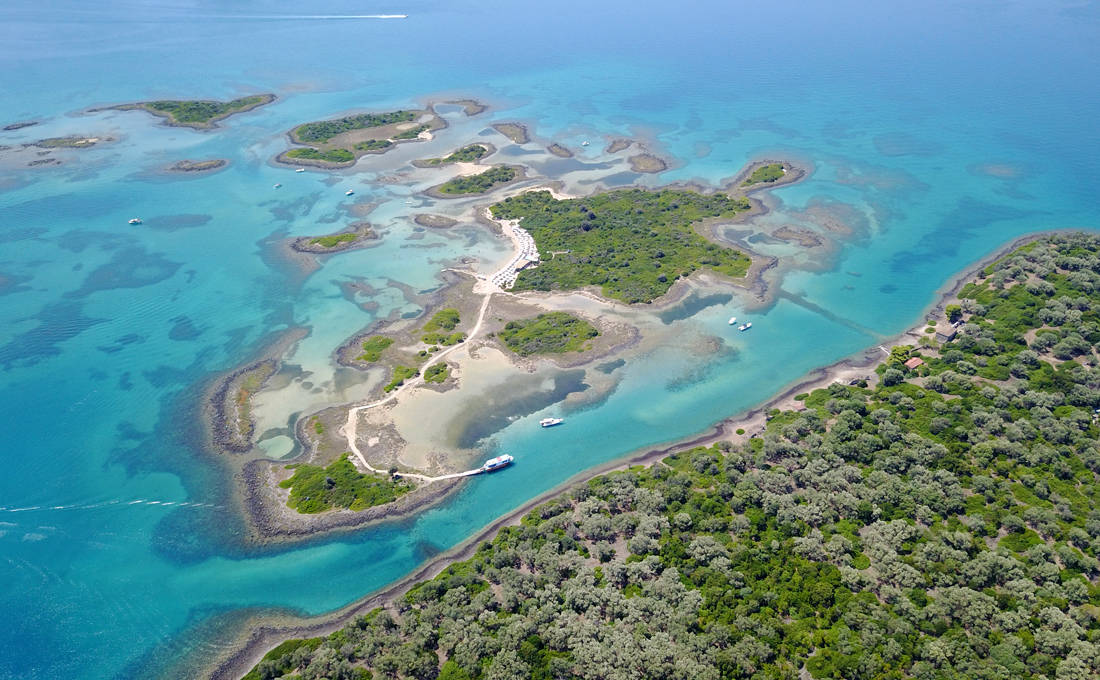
{"x": 733, "y": 320}
{"x": 135, "y": 220}
{"x": 300, "y": 170}
{"x": 349, "y": 192}
{"x": 497, "y": 463}
{"x": 551, "y": 422}
{"x": 745, "y": 327}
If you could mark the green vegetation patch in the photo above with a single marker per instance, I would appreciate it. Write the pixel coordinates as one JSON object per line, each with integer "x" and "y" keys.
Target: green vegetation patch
{"x": 765, "y": 174}
{"x": 373, "y": 348}
{"x": 324, "y": 130}
{"x": 632, "y": 243}
{"x": 204, "y": 112}
{"x": 440, "y": 329}
{"x": 467, "y": 154}
{"x": 479, "y": 183}
{"x": 400, "y": 375}
{"x": 315, "y": 489}
{"x": 373, "y": 145}
{"x": 331, "y": 155}
{"x": 333, "y": 240}
{"x": 445, "y": 319}
{"x": 550, "y": 333}
{"x": 436, "y": 373}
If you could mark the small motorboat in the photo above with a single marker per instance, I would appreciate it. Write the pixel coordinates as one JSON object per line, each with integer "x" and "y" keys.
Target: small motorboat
{"x": 745, "y": 327}
{"x": 551, "y": 422}
{"x": 584, "y": 143}
{"x": 300, "y": 170}
{"x": 277, "y": 185}
{"x": 349, "y": 192}
{"x": 733, "y": 320}
{"x": 135, "y": 220}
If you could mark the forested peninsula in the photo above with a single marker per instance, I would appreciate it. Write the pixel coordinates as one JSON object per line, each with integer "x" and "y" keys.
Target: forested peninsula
{"x": 941, "y": 522}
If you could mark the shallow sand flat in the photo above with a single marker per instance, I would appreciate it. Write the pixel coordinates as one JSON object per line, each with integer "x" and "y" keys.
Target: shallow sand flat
{"x": 430, "y": 421}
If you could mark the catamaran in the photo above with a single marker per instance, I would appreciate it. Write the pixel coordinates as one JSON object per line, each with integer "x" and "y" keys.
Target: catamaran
{"x": 497, "y": 463}
{"x": 551, "y": 422}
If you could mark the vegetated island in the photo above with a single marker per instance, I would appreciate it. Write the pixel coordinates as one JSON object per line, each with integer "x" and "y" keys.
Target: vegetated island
{"x": 631, "y": 243}
{"x": 339, "y": 142}
{"x": 358, "y": 235}
{"x": 470, "y": 153}
{"x": 766, "y": 174}
{"x": 199, "y": 114}
{"x": 941, "y": 523}
{"x": 477, "y": 184}
{"x": 198, "y": 166}
{"x": 548, "y": 333}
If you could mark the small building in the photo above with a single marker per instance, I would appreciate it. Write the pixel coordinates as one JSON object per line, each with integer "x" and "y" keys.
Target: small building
{"x": 914, "y": 363}
{"x": 945, "y": 332}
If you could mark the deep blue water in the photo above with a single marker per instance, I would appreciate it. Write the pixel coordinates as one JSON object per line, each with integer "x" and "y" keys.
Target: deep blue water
{"x": 939, "y": 129}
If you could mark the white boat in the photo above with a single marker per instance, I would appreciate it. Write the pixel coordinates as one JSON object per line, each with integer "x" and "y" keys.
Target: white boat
{"x": 584, "y": 143}
{"x": 349, "y": 192}
{"x": 551, "y": 422}
{"x": 745, "y": 327}
{"x": 277, "y": 185}
{"x": 135, "y": 220}
{"x": 733, "y": 320}
{"x": 497, "y": 463}
{"x": 300, "y": 170}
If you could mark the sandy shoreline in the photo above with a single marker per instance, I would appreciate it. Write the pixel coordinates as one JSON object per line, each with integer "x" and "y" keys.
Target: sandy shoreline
{"x": 264, "y": 636}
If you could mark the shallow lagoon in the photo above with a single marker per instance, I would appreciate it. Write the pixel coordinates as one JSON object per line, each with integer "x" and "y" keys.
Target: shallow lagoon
{"x": 934, "y": 151}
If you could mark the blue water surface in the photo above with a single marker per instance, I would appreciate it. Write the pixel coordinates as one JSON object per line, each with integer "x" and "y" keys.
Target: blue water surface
{"x": 941, "y": 129}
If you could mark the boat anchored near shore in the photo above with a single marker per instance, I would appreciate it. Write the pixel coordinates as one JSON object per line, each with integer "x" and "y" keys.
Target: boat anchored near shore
{"x": 551, "y": 422}
{"x": 744, "y": 327}
{"x": 497, "y": 463}
{"x": 733, "y": 320}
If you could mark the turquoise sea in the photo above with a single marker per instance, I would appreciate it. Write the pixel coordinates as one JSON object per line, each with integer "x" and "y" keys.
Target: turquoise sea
{"x": 937, "y": 130}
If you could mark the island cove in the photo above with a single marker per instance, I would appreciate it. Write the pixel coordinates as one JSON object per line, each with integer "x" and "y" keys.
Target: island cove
{"x": 610, "y": 264}
{"x": 758, "y": 500}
